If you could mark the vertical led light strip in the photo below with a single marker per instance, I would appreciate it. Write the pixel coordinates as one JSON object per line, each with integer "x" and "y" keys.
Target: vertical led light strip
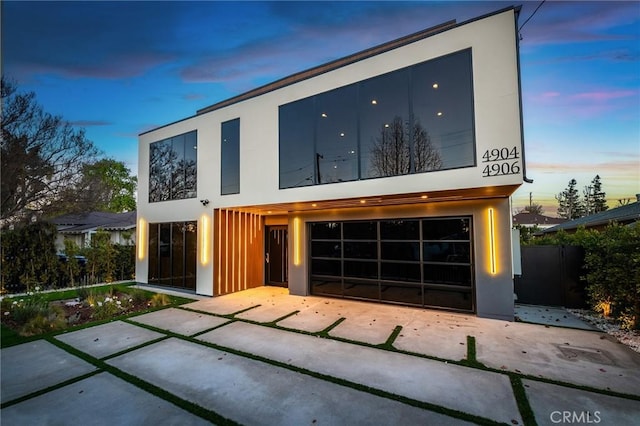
{"x": 492, "y": 243}
{"x": 296, "y": 241}
{"x": 204, "y": 240}
{"x": 142, "y": 238}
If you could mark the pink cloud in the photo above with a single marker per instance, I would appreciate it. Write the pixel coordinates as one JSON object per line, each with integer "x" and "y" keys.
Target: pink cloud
{"x": 604, "y": 95}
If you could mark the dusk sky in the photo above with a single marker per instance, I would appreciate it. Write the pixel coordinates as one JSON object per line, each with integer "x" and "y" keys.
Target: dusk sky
{"x": 120, "y": 68}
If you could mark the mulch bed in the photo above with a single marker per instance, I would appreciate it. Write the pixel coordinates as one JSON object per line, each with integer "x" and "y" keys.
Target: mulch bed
{"x": 78, "y": 313}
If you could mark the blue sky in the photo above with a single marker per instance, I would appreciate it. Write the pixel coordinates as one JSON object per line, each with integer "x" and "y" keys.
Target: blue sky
{"x": 120, "y": 68}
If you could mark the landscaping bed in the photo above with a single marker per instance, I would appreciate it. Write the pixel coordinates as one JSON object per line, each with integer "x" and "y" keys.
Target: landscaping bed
{"x": 38, "y": 313}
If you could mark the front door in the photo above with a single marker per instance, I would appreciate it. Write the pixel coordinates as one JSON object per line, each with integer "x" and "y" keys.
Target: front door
{"x": 276, "y": 256}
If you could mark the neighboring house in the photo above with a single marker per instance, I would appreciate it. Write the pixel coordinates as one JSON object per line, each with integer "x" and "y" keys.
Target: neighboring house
{"x": 382, "y": 176}
{"x": 80, "y": 227}
{"x": 624, "y": 215}
{"x": 530, "y": 220}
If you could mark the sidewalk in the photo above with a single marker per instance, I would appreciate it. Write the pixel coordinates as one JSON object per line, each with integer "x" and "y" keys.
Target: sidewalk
{"x": 265, "y": 357}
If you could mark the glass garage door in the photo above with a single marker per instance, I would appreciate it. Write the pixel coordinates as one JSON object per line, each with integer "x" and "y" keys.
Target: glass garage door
{"x": 422, "y": 262}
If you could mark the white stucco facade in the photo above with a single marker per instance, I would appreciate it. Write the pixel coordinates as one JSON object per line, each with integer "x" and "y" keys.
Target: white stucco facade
{"x": 467, "y": 191}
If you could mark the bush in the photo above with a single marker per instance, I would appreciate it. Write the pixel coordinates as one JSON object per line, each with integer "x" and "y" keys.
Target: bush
{"x": 52, "y": 320}
{"x": 612, "y": 262}
{"x": 159, "y": 299}
{"x": 138, "y": 296}
{"x": 612, "y": 266}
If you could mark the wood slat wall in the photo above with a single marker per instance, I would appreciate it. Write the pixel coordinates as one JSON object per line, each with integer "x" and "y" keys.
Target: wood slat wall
{"x": 238, "y": 251}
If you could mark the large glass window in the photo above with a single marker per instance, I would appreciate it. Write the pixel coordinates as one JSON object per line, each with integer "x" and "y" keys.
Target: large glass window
{"x": 423, "y": 262}
{"x": 298, "y": 159}
{"x": 230, "y": 157}
{"x": 173, "y": 254}
{"x": 413, "y": 120}
{"x": 173, "y": 168}
{"x": 337, "y": 135}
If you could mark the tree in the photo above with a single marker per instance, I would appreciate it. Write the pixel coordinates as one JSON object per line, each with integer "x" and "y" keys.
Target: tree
{"x": 595, "y": 199}
{"x": 569, "y": 204}
{"x": 29, "y": 257}
{"x": 401, "y": 147}
{"x": 41, "y": 156}
{"x": 107, "y": 185}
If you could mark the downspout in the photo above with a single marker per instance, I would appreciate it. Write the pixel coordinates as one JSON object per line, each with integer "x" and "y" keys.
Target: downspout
{"x": 524, "y": 163}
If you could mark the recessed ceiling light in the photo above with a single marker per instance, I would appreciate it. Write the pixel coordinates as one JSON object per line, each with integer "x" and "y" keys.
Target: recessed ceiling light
{"x": 439, "y": 114}
{"x": 363, "y": 201}
{"x": 424, "y": 197}
{"x": 269, "y": 212}
{"x": 374, "y": 102}
{"x": 342, "y": 135}
{"x": 323, "y": 115}
{"x": 435, "y": 85}
{"x": 386, "y": 125}
{"x": 314, "y": 205}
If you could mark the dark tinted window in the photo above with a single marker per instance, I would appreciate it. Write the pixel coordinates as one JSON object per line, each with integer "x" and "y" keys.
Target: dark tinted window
{"x": 448, "y": 229}
{"x": 384, "y": 125}
{"x": 447, "y": 252}
{"x": 413, "y": 120}
{"x": 361, "y": 250}
{"x": 400, "y": 230}
{"x": 326, "y": 249}
{"x": 337, "y": 135}
{"x": 360, "y": 269}
{"x": 230, "y": 157}
{"x": 173, "y": 254}
{"x": 443, "y": 112}
{"x": 360, "y": 230}
{"x": 326, "y": 231}
{"x": 296, "y": 147}
{"x": 400, "y": 251}
{"x": 400, "y": 272}
{"x": 173, "y": 168}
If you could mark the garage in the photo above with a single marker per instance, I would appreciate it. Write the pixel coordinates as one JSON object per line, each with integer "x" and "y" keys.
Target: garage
{"x": 425, "y": 262}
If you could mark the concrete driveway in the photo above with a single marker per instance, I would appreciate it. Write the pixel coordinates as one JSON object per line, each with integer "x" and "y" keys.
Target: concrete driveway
{"x": 263, "y": 357}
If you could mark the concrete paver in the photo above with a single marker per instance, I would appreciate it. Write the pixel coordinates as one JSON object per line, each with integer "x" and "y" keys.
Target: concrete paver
{"x": 235, "y": 302}
{"x": 554, "y": 405}
{"x": 312, "y": 319}
{"x": 575, "y": 356}
{"x": 252, "y": 392}
{"x": 37, "y": 365}
{"x": 102, "y": 399}
{"x": 107, "y": 339}
{"x": 436, "y": 333}
{"x": 180, "y": 321}
{"x": 485, "y": 394}
{"x": 550, "y": 315}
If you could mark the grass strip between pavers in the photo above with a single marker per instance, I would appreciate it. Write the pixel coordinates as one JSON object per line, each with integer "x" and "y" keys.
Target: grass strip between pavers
{"x": 392, "y": 338}
{"x": 520, "y": 394}
{"x": 189, "y": 406}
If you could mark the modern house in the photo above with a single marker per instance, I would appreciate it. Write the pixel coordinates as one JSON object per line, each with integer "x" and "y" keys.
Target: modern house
{"x": 82, "y": 226}
{"x": 530, "y": 220}
{"x": 382, "y": 176}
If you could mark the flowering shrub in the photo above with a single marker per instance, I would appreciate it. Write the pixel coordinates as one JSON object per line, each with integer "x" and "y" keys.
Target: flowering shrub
{"x": 107, "y": 306}
{"x": 34, "y": 313}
